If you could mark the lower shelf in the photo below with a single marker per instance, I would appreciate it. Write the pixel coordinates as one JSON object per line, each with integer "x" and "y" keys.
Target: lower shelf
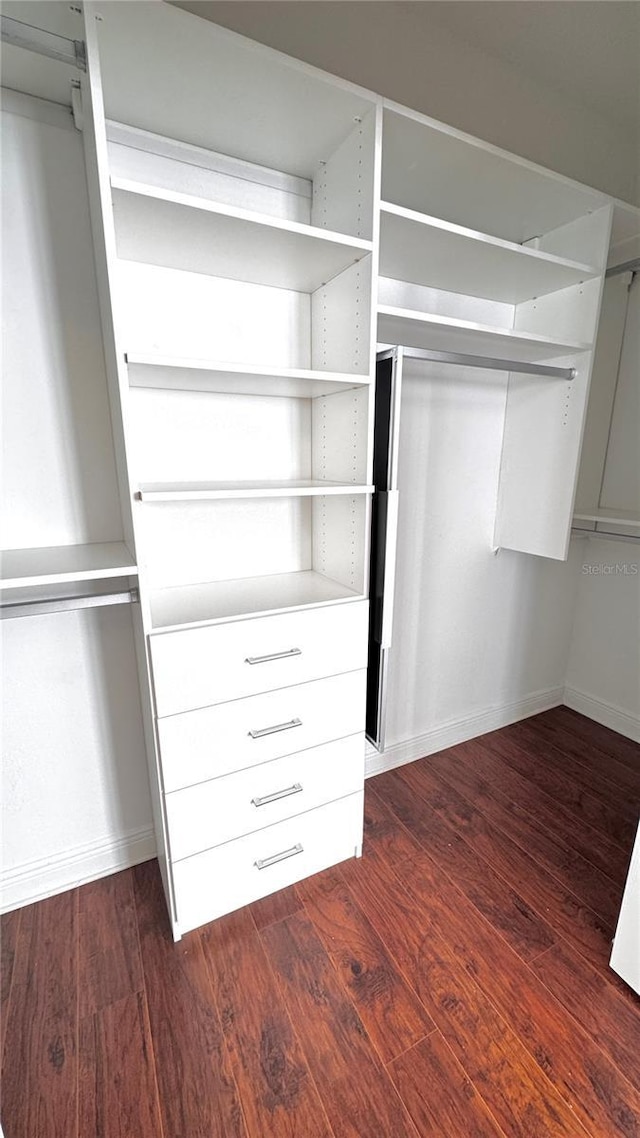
{"x": 187, "y": 605}
{"x": 60, "y": 564}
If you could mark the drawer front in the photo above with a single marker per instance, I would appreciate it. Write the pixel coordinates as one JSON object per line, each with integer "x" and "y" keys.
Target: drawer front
{"x": 230, "y": 876}
{"x": 213, "y": 812}
{"x": 198, "y": 667}
{"x": 214, "y": 741}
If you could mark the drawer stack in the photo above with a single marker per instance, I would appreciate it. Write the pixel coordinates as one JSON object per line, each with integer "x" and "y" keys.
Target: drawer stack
{"x": 260, "y": 728}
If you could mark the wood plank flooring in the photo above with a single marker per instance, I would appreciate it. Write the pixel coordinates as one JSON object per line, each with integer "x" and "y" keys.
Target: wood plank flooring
{"x": 453, "y": 982}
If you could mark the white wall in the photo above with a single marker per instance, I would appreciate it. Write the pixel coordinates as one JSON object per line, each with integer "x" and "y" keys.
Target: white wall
{"x": 75, "y": 787}
{"x": 479, "y": 639}
{"x": 406, "y": 52}
{"x": 603, "y": 675}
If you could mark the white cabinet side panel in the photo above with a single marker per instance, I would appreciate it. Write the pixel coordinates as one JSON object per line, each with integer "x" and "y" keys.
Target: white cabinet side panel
{"x": 340, "y": 427}
{"x": 340, "y": 321}
{"x": 343, "y": 186}
{"x": 59, "y": 482}
{"x": 603, "y": 390}
{"x": 621, "y": 484}
{"x": 625, "y": 958}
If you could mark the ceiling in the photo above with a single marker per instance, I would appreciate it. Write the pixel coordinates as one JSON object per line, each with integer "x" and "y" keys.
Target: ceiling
{"x": 587, "y": 49}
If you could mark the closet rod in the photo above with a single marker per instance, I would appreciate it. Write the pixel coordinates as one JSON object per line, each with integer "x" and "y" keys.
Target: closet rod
{"x": 31, "y": 38}
{"x": 625, "y": 267}
{"x": 40, "y": 606}
{"x": 608, "y": 535}
{"x": 489, "y": 362}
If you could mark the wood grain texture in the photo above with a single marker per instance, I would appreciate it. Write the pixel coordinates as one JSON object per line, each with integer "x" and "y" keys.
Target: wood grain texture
{"x": 357, "y": 1093}
{"x": 275, "y": 907}
{"x": 503, "y": 907}
{"x": 511, "y": 1083}
{"x": 536, "y": 765}
{"x": 562, "y": 910}
{"x": 117, "y": 1092}
{"x": 388, "y": 1007}
{"x": 276, "y": 1088}
{"x": 524, "y": 816}
{"x": 9, "y": 929}
{"x": 439, "y": 1096}
{"x": 109, "y": 963}
{"x": 612, "y": 1020}
{"x": 39, "y": 1077}
{"x": 199, "y": 1096}
{"x": 618, "y": 746}
{"x": 448, "y": 983}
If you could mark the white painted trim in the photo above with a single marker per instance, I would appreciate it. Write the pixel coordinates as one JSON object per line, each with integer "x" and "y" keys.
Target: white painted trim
{"x": 44, "y": 877}
{"x": 600, "y": 710}
{"x": 33, "y": 107}
{"x": 460, "y": 730}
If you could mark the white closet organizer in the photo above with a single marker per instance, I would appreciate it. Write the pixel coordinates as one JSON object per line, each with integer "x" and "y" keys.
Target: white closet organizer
{"x": 485, "y": 254}
{"x": 234, "y": 223}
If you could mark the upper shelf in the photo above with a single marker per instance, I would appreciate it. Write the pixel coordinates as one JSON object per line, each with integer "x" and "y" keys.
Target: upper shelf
{"x": 207, "y": 491}
{"x": 613, "y": 517}
{"x": 61, "y": 564}
{"x": 188, "y": 374}
{"x": 437, "y": 170}
{"x": 181, "y": 231}
{"x": 428, "y": 251}
{"x": 443, "y": 333}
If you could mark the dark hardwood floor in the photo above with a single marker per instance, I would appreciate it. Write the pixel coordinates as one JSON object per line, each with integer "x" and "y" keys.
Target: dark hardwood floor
{"x": 453, "y": 982}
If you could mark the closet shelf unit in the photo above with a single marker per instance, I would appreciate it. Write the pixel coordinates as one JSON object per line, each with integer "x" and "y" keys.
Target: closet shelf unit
{"x": 426, "y": 330}
{"x": 186, "y": 373}
{"x": 179, "y": 608}
{"x": 65, "y": 564}
{"x": 210, "y": 491}
{"x": 181, "y": 231}
{"x": 427, "y": 250}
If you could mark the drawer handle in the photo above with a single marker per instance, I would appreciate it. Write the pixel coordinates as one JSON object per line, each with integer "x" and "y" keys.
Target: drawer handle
{"x": 264, "y": 862}
{"x": 286, "y": 793}
{"x": 274, "y": 656}
{"x": 275, "y": 729}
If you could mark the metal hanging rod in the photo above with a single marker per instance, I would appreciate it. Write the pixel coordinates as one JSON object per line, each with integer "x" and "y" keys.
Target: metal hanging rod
{"x": 625, "y": 267}
{"x": 608, "y": 535}
{"x": 489, "y": 362}
{"x": 41, "y": 606}
{"x": 43, "y": 42}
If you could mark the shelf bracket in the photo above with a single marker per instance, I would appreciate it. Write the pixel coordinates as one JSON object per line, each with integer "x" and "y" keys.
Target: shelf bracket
{"x": 65, "y": 50}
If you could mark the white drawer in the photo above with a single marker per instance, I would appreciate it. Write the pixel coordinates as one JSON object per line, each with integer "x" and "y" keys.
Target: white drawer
{"x": 201, "y": 666}
{"x": 214, "y": 741}
{"x": 213, "y": 812}
{"x": 230, "y": 876}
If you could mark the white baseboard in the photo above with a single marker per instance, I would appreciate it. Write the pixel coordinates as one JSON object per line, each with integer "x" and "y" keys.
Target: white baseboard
{"x": 609, "y": 714}
{"x": 460, "y": 730}
{"x": 44, "y": 877}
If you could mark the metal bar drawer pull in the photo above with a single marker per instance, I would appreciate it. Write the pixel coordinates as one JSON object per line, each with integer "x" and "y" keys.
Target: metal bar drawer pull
{"x": 275, "y": 729}
{"x": 264, "y": 862}
{"x": 277, "y": 794}
{"x": 274, "y": 656}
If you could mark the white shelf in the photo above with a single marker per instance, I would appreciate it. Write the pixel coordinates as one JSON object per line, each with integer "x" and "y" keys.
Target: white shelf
{"x": 202, "y": 491}
{"x": 613, "y": 517}
{"x": 188, "y": 374}
{"x": 180, "y": 231}
{"x": 188, "y": 605}
{"x": 442, "y": 333}
{"x": 428, "y": 251}
{"x": 60, "y": 564}
{"x": 435, "y": 169}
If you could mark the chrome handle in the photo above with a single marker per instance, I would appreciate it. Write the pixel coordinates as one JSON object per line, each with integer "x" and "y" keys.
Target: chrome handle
{"x": 274, "y": 730}
{"x": 274, "y": 656}
{"x": 264, "y": 862}
{"x": 267, "y": 798}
